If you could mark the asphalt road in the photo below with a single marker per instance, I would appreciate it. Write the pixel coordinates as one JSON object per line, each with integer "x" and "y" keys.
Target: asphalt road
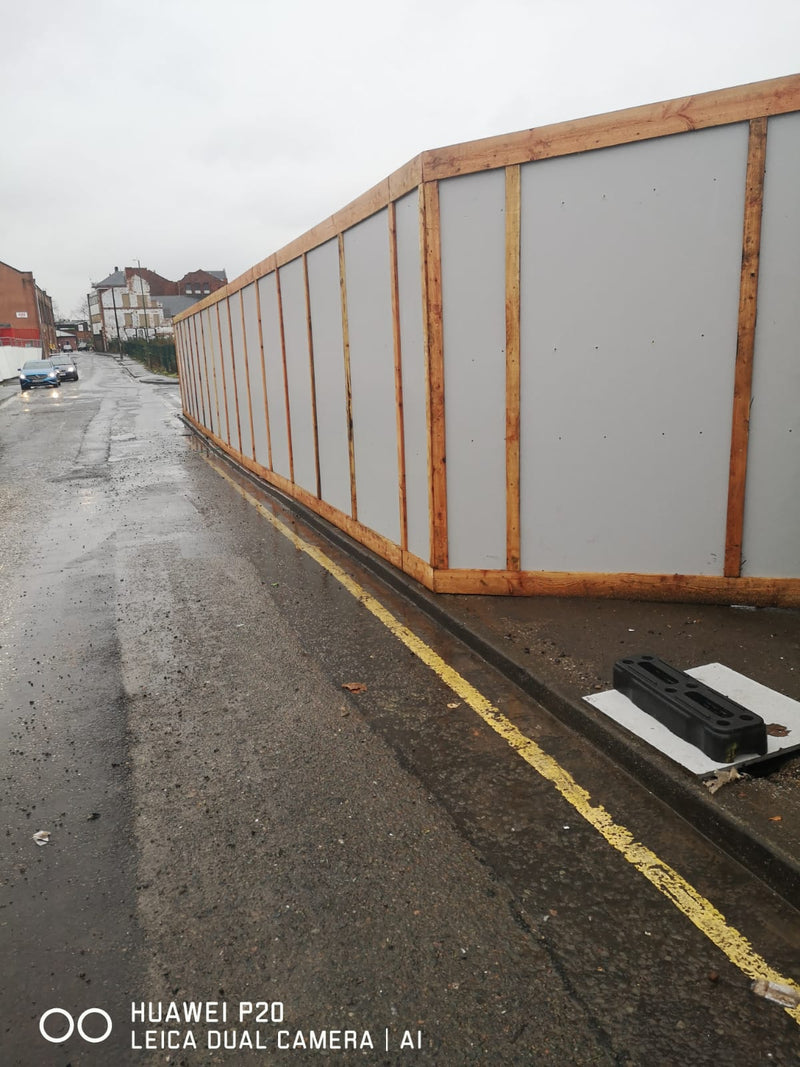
{"x": 234, "y": 835}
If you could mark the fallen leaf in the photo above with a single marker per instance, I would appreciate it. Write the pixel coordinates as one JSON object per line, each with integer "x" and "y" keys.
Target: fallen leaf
{"x": 775, "y": 729}
{"x": 776, "y": 818}
{"x": 354, "y": 687}
{"x": 456, "y": 704}
{"x": 721, "y": 778}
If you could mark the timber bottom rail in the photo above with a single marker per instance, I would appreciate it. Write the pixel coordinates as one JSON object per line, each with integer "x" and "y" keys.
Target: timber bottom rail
{"x": 686, "y": 588}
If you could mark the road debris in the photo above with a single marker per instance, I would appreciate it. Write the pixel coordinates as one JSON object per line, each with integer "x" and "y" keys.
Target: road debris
{"x": 354, "y": 687}
{"x": 721, "y": 778}
{"x": 42, "y": 837}
{"x": 785, "y": 995}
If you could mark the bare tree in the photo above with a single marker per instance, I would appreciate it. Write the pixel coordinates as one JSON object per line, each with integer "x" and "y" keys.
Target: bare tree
{"x": 81, "y": 310}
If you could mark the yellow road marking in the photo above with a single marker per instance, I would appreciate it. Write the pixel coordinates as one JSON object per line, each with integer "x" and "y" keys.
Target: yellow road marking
{"x": 684, "y": 896}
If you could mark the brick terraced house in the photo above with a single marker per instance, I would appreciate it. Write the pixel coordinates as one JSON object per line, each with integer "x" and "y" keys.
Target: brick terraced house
{"x": 26, "y": 311}
{"x": 137, "y": 302}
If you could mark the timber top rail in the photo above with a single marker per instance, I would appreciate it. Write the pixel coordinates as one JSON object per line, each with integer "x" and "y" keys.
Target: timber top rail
{"x": 775, "y": 96}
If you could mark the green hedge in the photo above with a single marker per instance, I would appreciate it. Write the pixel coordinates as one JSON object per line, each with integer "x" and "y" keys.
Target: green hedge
{"x": 156, "y": 355}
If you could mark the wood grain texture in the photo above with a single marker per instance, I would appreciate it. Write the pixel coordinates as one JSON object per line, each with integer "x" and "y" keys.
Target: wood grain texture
{"x": 433, "y": 336}
{"x": 347, "y": 379}
{"x": 745, "y": 346}
{"x": 512, "y": 367}
{"x": 418, "y": 569}
{"x": 720, "y": 108}
{"x": 398, "y": 376}
{"x": 689, "y": 588}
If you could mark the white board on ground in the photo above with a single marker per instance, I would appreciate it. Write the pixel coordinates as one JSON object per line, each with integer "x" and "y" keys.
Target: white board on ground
{"x": 773, "y": 707}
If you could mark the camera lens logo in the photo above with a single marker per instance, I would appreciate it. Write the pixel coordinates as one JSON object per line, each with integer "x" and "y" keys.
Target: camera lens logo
{"x": 57, "y": 1038}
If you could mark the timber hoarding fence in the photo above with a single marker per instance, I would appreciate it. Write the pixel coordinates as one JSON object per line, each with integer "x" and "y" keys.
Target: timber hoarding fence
{"x": 532, "y": 363}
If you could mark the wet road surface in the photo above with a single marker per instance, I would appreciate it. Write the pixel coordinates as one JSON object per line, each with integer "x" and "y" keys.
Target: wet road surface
{"x": 230, "y": 826}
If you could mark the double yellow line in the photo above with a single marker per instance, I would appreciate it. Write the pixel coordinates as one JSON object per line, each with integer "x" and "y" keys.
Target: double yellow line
{"x": 668, "y": 881}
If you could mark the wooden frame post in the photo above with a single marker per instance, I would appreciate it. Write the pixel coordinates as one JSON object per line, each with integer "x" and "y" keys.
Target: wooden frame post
{"x": 347, "y": 380}
{"x": 233, "y": 372}
{"x": 745, "y": 345}
{"x": 512, "y": 367}
{"x": 431, "y": 244}
{"x": 224, "y": 378}
{"x": 263, "y": 372}
{"x": 398, "y": 376}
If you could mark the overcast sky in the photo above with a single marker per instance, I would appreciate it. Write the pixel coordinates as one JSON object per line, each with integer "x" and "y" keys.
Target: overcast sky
{"x": 209, "y": 133}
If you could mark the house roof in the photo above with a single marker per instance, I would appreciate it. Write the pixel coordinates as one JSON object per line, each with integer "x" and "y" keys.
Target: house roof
{"x": 117, "y": 277}
{"x": 174, "y": 305}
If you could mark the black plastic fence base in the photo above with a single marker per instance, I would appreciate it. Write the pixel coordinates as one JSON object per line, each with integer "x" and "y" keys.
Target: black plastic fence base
{"x": 692, "y": 711}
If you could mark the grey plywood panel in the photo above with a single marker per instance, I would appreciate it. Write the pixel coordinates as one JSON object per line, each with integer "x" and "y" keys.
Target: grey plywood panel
{"x": 326, "y": 327}
{"x": 205, "y": 372}
{"x": 199, "y": 376}
{"x": 369, "y": 316}
{"x": 187, "y": 383}
{"x": 473, "y": 299}
{"x": 273, "y": 362}
{"x": 412, "y": 349}
{"x": 240, "y": 365}
{"x": 234, "y": 437}
{"x": 630, "y": 265}
{"x": 255, "y": 373}
{"x": 771, "y": 545}
{"x": 298, "y": 371}
{"x": 210, "y": 340}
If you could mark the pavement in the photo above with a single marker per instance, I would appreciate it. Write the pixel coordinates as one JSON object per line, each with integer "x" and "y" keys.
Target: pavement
{"x": 138, "y": 370}
{"x": 559, "y": 650}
